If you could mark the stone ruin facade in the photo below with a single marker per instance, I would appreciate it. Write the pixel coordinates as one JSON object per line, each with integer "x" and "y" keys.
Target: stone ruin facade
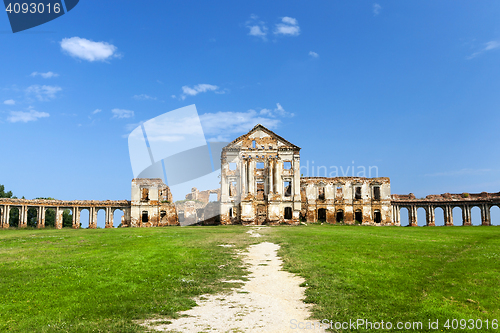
{"x": 200, "y": 207}
{"x": 261, "y": 184}
{"x": 260, "y": 179}
{"x": 347, "y": 200}
{"x": 151, "y": 204}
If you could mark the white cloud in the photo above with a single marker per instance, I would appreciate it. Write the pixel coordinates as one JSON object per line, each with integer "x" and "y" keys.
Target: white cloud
{"x": 376, "y": 9}
{"x": 491, "y": 45}
{"x": 195, "y": 90}
{"x": 289, "y": 20}
{"x": 25, "y": 116}
{"x": 313, "y": 54}
{"x": 224, "y": 126}
{"x": 143, "y": 97}
{"x": 96, "y": 111}
{"x": 88, "y": 50}
{"x": 9, "y": 102}
{"x": 221, "y": 126}
{"x": 288, "y": 26}
{"x": 47, "y": 75}
{"x": 279, "y": 111}
{"x": 257, "y": 31}
{"x": 257, "y": 28}
{"x": 121, "y": 113}
{"x": 43, "y": 93}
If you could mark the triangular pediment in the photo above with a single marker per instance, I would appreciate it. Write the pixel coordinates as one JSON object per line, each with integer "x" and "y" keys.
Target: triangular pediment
{"x": 261, "y": 137}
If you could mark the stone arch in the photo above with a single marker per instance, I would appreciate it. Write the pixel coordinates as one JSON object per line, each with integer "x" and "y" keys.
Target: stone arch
{"x": 339, "y": 216}
{"x": 32, "y": 218}
{"x": 377, "y": 216}
{"x": 495, "y": 214}
{"x": 100, "y": 220}
{"x": 475, "y": 215}
{"x": 457, "y": 213}
{"x": 50, "y": 217}
{"x": 422, "y": 216}
{"x": 322, "y": 214}
{"x": 404, "y": 217}
{"x": 14, "y": 216}
{"x": 439, "y": 215}
{"x": 67, "y": 217}
{"x": 358, "y": 216}
{"x": 118, "y": 213}
{"x": 84, "y": 214}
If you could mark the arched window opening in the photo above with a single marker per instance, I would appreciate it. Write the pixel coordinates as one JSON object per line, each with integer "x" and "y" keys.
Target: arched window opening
{"x": 321, "y": 193}
{"x": 358, "y": 216}
{"x": 357, "y": 193}
{"x": 340, "y": 216}
{"x": 322, "y": 215}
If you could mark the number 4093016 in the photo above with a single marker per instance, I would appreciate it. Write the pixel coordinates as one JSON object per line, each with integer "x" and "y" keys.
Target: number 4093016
{"x": 33, "y": 8}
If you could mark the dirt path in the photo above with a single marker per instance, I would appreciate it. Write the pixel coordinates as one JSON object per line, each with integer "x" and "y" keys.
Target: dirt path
{"x": 268, "y": 302}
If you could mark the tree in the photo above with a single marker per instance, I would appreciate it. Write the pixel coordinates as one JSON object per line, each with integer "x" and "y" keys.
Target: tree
{"x": 14, "y": 213}
{"x": 4, "y": 194}
{"x": 67, "y": 219}
{"x": 32, "y": 217}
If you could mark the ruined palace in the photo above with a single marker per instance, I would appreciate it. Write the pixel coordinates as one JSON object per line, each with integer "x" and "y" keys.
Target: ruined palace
{"x": 260, "y": 183}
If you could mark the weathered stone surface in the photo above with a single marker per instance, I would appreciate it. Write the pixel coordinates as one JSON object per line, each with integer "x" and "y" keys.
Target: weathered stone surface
{"x": 260, "y": 180}
{"x": 151, "y": 204}
{"x": 347, "y": 200}
{"x": 76, "y": 206}
{"x": 447, "y": 201}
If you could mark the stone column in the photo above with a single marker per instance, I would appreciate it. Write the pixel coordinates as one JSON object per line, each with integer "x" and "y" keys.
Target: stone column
{"x": 271, "y": 176}
{"x": 412, "y": 219}
{"x": 109, "y": 218}
{"x": 23, "y": 217}
{"x": 430, "y": 216}
{"x": 485, "y": 215}
{"x": 93, "y": 218}
{"x": 6, "y": 214}
{"x": 395, "y": 213}
{"x": 251, "y": 180}
{"x": 448, "y": 215}
{"x": 279, "y": 180}
{"x": 73, "y": 222}
{"x": 466, "y": 215}
{"x": 296, "y": 179}
{"x": 59, "y": 219}
{"x": 41, "y": 220}
{"x": 243, "y": 173}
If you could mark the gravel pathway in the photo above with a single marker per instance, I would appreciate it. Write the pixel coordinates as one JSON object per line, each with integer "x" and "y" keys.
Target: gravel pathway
{"x": 269, "y": 302}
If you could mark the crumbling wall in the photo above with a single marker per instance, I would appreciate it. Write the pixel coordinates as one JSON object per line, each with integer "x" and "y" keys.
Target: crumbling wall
{"x": 151, "y": 204}
{"x": 356, "y": 200}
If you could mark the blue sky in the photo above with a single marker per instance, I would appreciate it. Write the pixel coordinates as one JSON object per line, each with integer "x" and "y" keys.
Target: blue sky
{"x": 411, "y": 87}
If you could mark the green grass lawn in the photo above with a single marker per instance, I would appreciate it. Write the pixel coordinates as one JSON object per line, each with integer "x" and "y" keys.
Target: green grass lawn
{"x": 397, "y": 274}
{"x": 103, "y": 280}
